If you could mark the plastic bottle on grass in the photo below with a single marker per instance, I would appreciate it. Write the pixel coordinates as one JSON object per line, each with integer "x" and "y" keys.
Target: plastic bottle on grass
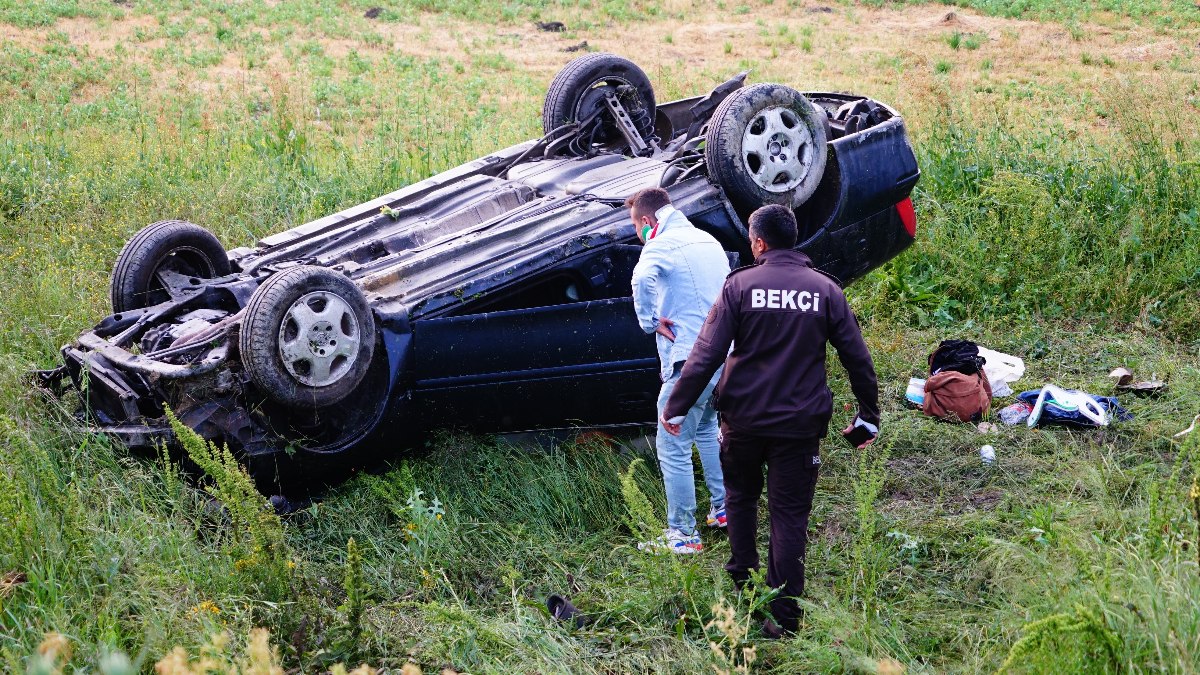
{"x": 988, "y": 454}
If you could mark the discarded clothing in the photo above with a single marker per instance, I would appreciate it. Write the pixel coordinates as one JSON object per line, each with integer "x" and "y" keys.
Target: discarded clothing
{"x": 951, "y": 395}
{"x": 1015, "y": 413}
{"x": 958, "y": 355}
{"x": 1066, "y": 411}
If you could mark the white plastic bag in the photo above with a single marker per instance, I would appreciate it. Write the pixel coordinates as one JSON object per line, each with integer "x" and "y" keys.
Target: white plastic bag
{"x": 1001, "y": 369}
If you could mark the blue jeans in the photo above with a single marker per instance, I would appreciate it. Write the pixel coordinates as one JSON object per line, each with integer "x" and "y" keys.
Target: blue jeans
{"x": 675, "y": 456}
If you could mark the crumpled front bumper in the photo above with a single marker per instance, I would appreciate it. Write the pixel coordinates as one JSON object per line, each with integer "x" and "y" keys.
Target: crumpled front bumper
{"x": 124, "y": 389}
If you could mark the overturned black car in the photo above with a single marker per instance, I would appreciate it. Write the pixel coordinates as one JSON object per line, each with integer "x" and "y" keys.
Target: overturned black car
{"x": 494, "y": 296}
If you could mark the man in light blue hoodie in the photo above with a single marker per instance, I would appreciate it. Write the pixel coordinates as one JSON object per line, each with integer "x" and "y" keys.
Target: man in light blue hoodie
{"x": 676, "y": 281}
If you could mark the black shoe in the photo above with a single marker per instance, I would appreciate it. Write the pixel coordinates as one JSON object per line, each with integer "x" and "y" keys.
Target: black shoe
{"x": 741, "y": 581}
{"x": 773, "y": 631}
{"x": 562, "y": 610}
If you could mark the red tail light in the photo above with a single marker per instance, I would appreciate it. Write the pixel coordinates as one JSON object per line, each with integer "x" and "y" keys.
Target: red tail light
{"x": 908, "y": 216}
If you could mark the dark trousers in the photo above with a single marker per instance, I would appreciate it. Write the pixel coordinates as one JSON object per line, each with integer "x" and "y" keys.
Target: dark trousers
{"x": 792, "y": 467}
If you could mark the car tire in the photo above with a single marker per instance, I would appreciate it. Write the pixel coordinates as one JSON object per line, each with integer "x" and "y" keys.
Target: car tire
{"x": 176, "y": 245}
{"x": 307, "y": 337}
{"x": 578, "y": 90}
{"x": 766, "y": 144}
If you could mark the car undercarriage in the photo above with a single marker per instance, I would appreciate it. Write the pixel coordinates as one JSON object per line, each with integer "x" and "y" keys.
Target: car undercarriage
{"x": 493, "y": 296}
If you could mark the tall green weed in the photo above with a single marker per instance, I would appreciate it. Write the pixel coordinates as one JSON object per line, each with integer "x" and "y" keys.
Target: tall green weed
{"x": 640, "y": 517}
{"x": 255, "y": 533}
{"x": 1014, "y": 221}
{"x": 1078, "y": 642}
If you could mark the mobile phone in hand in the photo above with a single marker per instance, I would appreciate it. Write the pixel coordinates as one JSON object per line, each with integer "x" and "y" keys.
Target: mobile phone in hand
{"x": 858, "y": 436}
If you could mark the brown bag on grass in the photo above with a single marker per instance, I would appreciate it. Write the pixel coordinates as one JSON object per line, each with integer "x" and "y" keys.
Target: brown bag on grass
{"x": 954, "y": 396}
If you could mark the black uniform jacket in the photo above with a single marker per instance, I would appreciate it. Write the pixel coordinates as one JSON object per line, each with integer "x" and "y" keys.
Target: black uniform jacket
{"x": 778, "y": 314}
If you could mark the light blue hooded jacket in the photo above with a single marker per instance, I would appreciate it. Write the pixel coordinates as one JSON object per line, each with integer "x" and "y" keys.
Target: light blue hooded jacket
{"x": 679, "y": 275}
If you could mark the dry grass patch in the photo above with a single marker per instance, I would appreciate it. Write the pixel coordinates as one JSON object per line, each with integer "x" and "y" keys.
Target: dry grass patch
{"x": 901, "y": 55}
{"x": 1021, "y": 72}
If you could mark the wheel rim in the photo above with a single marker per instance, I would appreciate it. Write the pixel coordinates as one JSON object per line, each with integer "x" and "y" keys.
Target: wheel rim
{"x": 319, "y": 339}
{"x": 777, "y": 149}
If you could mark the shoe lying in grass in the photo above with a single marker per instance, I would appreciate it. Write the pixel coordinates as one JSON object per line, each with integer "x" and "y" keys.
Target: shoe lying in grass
{"x": 773, "y": 631}
{"x": 561, "y": 609}
{"x": 673, "y": 541}
{"x": 716, "y": 517}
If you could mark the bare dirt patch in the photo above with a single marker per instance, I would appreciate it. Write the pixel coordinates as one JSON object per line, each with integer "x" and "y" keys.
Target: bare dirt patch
{"x": 899, "y": 501}
{"x": 953, "y": 20}
{"x": 984, "y": 500}
{"x": 101, "y": 37}
{"x": 1156, "y": 51}
{"x": 95, "y": 35}
{"x": 831, "y": 530}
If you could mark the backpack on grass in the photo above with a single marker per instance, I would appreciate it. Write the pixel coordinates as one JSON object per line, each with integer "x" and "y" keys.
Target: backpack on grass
{"x": 954, "y": 396}
{"x": 957, "y": 388}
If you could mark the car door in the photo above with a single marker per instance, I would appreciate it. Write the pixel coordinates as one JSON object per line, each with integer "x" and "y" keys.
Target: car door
{"x": 571, "y": 358}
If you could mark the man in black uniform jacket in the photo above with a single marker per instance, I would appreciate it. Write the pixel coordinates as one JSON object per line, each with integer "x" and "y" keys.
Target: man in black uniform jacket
{"x": 773, "y": 398}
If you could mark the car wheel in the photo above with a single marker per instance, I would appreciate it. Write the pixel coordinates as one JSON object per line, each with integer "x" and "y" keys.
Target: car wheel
{"x": 168, "y": 247}
{"x": 766, "y": 145}
{"x": 579, "y": 90}
{"x": 307, "y": 337}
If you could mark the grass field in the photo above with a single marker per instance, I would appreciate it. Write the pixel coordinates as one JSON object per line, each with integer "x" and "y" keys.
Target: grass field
{"x": 1059, "y": 220}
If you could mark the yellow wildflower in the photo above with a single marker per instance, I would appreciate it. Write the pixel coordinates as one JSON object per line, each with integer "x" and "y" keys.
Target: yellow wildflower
{"x": 206, "y": 606}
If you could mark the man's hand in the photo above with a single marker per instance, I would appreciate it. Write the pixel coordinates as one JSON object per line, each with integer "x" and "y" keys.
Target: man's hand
{"x": 851, "y": 428}
{"x": 666, "y": 329}
{"x": 672, "y": 429}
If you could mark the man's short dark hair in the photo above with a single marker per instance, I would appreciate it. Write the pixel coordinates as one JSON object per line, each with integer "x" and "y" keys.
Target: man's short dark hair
{"x": 776, "y": 225}
{"x": 646, "y": 202}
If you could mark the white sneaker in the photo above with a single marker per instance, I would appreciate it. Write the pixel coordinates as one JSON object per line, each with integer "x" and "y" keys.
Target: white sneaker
{"x": 716, "y": 517}
{"x": 674, "y": 541}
